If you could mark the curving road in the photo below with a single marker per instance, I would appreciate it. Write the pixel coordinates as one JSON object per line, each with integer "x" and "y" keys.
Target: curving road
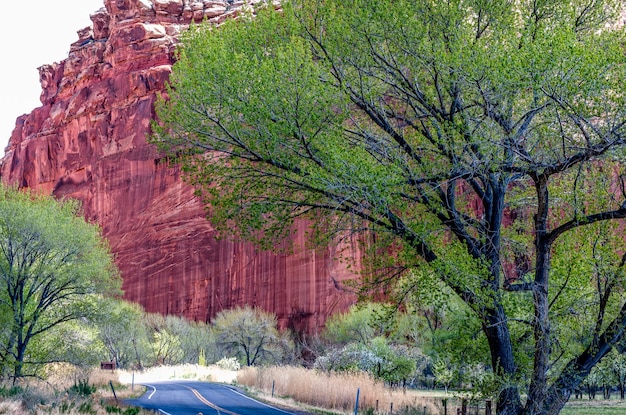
{"x": 192, "y": 398}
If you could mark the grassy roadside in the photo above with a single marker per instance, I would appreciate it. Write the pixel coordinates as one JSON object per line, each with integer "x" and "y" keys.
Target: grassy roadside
{"x": 70, "y": 391}
{"x": 74, "y": 392}
{"x": 334, "y": 394}
{"x": 299, "y": 389}
{"x": 595, "y": 407}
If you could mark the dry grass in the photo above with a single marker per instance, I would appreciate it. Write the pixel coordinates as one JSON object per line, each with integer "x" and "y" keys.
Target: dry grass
{"x": 10, "y": 407}
{"x": 294, "y": 385}
{"x": 53, "y": 396}
{"x": 336, "y": 392}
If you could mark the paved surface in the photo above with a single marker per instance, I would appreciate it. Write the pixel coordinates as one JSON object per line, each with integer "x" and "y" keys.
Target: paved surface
{"x": 193, "y": 398}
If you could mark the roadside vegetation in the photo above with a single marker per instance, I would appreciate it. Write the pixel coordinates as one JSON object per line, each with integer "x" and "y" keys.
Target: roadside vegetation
{"x": 475, "y": 148}
{"x": 333, "y": 392}
{"x": 390, "y": 358}
{"x": 69, "y": 390}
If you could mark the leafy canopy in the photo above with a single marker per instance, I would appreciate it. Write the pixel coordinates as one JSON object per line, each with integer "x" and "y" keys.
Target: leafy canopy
{"x": 467, "y": 139}
{"x": 53, "y": 265}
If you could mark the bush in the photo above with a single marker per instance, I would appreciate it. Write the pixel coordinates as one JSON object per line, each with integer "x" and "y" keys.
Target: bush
{"x": 228, "y": 363}
{"x": 379, "y": 359}
{"x": 118, "y": 410}
{"x": 82, "y": 388}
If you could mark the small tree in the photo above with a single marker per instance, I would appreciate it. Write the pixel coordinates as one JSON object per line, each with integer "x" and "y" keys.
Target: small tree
{"x": 195, "y": 337}
{"x": 166, "y": 348}
{"x": 444, "y": 374}
{"x": 122, "y": 330}
{"x": 592, "y": 382}
{"x": 248, "y": 333}
{"x": 618, "y": 365}
{"x": 52, "y": 264}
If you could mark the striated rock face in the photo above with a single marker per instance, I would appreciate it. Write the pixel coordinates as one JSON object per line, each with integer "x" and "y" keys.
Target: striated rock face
{"x": 88, "y": 141}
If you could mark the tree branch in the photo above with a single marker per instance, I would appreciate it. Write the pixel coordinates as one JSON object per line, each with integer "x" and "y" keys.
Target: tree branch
{"x": 587, "y": 220}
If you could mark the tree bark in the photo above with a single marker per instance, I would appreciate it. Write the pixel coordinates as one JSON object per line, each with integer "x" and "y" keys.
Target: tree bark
{"x": 502, "y": 360}
{"x": 541, "y": 324}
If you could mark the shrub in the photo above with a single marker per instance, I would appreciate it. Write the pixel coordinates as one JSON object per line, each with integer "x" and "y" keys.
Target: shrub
{"x": 228, "y": 363}
{"x": 82, "y": 388}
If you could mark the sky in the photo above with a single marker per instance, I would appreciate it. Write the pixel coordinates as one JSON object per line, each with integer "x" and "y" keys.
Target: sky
{"x": 34, "y": 33}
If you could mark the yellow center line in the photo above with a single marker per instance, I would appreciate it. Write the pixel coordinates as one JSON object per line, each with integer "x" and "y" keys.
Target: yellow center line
{"x": 209, "y": 403}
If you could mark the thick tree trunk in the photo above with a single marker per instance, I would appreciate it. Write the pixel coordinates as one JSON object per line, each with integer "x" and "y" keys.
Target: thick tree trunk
{"x": 19, "y": 361}
{"x": 539, "y": 381}
{"x": 538, "y": 388}
{"x": 502, "y": 360}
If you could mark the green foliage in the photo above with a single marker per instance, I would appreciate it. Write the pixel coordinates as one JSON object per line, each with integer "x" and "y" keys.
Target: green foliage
{"x": 7, "y": 392}
{"x": 53, "y": 267}
{"x": 66, "y": 406}
{"x": 480, "y": 382}
{"x": 360, "y": 324}
{"x": 76, "y": 342}
{"x": 194, "y": 337}
{"x": 468, "y": 143}
{"x": 202, "y": 358}
{"x": 110, "y": 409}
{"x": 174, "y": 340}
{"x": 445, "y": 374}
{"x": 166, "y": 348}
{"x": 394, "y": 365}
{"x": 86, "y": 407}
{"x": 117, "y": 410}
{"x": 390, "y": 363}
{"x": 123, "y": 332}
{"x": 136, "y": 339}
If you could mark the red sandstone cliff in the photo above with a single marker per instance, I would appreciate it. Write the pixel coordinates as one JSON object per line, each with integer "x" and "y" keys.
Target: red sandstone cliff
{"x": 88, "y": 141}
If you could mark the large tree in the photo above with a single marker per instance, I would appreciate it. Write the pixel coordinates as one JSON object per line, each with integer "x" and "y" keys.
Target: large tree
{"x": 52, "y": 265}
{"x": 461, "y": 135}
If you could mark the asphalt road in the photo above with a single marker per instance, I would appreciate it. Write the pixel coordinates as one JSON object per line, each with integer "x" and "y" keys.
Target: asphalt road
{"x": 192, "y": 398}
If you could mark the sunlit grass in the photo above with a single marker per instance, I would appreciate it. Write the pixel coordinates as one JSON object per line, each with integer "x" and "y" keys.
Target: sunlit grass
{"x": 293, "y": 386}
{"x": 591, "y": 410}
{"x": 595, "y": 407}
{"x": 335, "y": 392}
{"x": 55, "y": 395}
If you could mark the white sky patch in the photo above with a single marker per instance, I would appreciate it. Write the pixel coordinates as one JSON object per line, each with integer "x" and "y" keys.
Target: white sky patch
{"x": 34, "y": 33}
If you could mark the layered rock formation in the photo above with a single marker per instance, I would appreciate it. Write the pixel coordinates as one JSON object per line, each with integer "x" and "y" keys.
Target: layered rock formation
{"x": 88, "y": 141}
